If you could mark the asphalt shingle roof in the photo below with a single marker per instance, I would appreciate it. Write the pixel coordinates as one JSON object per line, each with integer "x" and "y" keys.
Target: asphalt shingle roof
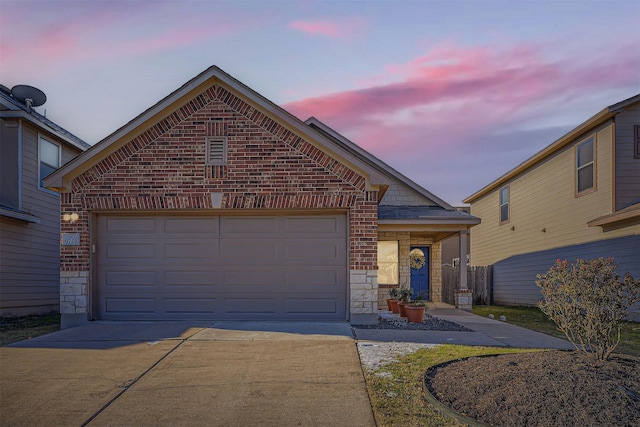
{"x": 420, "y": 212}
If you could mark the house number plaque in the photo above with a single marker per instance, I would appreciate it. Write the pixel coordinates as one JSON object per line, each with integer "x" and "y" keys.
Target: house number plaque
{"x": 70, "y": 239}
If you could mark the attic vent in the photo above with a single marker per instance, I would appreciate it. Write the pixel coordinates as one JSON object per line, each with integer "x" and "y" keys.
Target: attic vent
{"x": 217, "y": 151}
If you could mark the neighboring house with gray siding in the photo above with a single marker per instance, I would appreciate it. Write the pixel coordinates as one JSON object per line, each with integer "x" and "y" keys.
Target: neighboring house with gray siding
{"x": 216, "y": 203}
{"x": 31, "y": 147}
{"x": 577, "y": 198}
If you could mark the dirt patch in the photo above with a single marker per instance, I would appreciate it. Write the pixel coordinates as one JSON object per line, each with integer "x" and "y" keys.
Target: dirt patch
{"x": 549, "y": 388}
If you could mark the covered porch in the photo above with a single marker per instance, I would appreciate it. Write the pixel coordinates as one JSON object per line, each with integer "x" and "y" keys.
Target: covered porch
{"x": 410, "y": 250}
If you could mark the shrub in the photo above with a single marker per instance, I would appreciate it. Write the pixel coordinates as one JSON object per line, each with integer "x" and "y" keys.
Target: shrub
{"x": 405, "y": 294}
{"x": 587, "y": 301}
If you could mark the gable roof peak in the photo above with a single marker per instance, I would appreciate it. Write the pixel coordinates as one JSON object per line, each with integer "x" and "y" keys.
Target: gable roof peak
{"x": 200, "y": 86}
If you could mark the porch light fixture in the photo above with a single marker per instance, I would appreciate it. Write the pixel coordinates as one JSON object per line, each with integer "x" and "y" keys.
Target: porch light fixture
{"x": 71, "y": 218}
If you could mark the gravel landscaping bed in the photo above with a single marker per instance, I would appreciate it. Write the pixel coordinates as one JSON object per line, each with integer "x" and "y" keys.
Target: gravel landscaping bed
{"x": 430, "y": 323}
{"x": 375, "y": 355}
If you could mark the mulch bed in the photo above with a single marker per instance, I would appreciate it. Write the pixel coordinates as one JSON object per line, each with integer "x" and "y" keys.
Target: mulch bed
{"x": 547, "y": 388}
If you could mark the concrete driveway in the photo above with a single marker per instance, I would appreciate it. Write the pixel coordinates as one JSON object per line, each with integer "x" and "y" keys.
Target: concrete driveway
{"x": 186, "y": 373}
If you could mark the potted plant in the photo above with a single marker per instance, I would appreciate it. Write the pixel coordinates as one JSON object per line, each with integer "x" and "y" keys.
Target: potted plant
{"x": 415, "y": 310}
{"x": 392, "y": 302}
{"x": 405, "y": 297}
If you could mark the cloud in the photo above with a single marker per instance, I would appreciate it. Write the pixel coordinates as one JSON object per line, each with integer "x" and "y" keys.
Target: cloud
{"x": 332, "y": 29}
{"x": 476, "y": 87}
{"x": 95, "y": 31}
{"x": 454, "y": 100}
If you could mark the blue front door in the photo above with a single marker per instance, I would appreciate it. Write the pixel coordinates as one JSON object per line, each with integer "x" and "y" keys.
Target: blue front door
{"x": 420, "y": 271}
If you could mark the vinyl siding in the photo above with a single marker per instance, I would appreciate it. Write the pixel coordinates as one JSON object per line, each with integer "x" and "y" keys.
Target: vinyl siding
{"x": 399, "y": 194}
{"x": 627, "y": 167}
{"x": 514, "y": 278}
{"x": 30, "y": 252}
{"x": 544, "y": 198}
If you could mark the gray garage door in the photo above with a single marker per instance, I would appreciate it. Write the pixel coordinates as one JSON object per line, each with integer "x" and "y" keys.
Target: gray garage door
{"x": 222, "y": 267}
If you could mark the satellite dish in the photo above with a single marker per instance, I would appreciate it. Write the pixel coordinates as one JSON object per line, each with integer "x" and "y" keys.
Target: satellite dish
{"x": 29, "y": 95}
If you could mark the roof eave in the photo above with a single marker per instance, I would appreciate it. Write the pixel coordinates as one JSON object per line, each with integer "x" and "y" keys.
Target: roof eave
{"x": 20, "y": 114}
{"x": 426, "y": 221}
{"x": 632, "y": 213}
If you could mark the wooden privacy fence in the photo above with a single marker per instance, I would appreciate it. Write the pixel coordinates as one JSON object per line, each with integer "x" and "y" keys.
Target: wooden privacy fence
{"x": 479, "y": 280}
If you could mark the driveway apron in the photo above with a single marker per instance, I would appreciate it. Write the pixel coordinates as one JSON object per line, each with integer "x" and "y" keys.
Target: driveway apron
{"x": 226, "y": 373}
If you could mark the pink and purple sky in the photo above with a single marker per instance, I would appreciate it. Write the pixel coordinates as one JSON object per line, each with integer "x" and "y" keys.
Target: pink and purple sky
{"x": 450, "y": 93}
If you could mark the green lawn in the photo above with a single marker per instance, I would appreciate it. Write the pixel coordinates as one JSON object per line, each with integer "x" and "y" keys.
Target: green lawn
{"x": 14, "y": 329}
{"x": 534, "y": 319}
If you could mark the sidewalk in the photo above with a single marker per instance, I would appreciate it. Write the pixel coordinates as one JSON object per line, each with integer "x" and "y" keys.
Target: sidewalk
{"x": 486, "y": 332}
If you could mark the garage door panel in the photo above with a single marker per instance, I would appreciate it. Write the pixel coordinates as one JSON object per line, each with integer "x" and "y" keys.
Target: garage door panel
{"x": 191, "y": 225}
{"x": 130, "y": 278}
{"x": 201, "y": 279}
{"x": 313, "y": 280}
{"x": 190, "y": 305}
{"x": 137, "y": 225}
{"x": 247, "y": 267}
{"x": 250, "y": 281}
{"x": 250, "y": 306}
{"x": 131, "y": 250}
{"x": 321, "y": 225}
{"x": 249, "y": 253}
{"x": 314, "y": 305}
{"x": 318, "y": 253}
{"x": 190, "y": 250}
{"x": 248, "y": 226}
{"x": 130, "y": 305}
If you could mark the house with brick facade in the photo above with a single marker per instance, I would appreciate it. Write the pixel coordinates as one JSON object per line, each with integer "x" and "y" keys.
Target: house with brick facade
{"x": 216, "y": 203}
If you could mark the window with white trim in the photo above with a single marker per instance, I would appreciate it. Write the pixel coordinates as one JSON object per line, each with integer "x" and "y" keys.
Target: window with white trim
{"x": 216, "y": 150}
{"x": 504, "y": 204}
{"x": 585, "y": 166}
{"x": 49, "y": 159}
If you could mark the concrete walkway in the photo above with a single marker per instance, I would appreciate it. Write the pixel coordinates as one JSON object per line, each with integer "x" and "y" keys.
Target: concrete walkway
{"x": 186, "y": 373}
{"x": 486, "y": 332}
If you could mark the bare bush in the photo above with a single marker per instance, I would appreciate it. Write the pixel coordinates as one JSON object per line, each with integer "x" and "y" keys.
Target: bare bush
{"x": 588, "y": 300}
